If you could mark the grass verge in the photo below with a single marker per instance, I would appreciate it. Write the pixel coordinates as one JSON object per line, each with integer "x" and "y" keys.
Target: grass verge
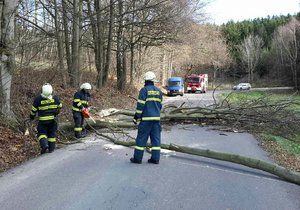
{"x": 283, "y": 145}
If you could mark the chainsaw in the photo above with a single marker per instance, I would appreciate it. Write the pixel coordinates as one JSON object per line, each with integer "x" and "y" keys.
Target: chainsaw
{"x": 86, "y": 114}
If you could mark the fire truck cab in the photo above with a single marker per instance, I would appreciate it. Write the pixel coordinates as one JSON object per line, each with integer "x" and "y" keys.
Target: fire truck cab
{"x": 196, "y": 83}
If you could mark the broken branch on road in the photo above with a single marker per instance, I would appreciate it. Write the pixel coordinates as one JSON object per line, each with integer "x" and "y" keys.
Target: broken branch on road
{"x": 258, "y": 115}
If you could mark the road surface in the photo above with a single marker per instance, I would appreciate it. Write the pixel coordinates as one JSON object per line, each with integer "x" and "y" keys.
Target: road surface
{"x": 98, "y": 175}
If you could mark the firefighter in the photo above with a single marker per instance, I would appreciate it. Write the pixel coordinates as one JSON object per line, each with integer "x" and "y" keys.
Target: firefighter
{"x": 80, "y": 107}
{"x": 147, "y": 112}
{"x": 48, "y": 107}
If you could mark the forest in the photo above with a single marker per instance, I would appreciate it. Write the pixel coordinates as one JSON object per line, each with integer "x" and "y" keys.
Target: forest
{"x": 119, "y": 40}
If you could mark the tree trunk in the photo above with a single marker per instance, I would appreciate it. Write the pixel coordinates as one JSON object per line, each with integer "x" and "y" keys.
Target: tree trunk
{"x": 99, "y": 43}
{"x": 89, "y": 60}
{"x": 67, "y": 38}
{"x": 94, "y": 33}
{"x": 290, "y": 176}
{"x": 120, "y": 49}
{"x": 109, "y": 42}
{"x": 7, "y": 59}
{"x": 163, "y": 68}
{"x": 60, "y": 50}
{"x": 75, "y": 44}
{"x": 132, "y": 44}
{"x": 131, "y": 63}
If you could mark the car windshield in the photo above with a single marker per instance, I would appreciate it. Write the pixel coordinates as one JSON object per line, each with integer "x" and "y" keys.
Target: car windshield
{"x": 174, "y": 83}
{"x": 193, "y": 79}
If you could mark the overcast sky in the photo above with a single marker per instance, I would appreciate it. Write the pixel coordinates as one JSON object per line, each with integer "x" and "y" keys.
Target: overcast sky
{"x": 221, "y": 11}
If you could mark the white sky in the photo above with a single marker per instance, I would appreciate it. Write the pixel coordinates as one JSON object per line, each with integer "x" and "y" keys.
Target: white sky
{"x": 221, "y": 11}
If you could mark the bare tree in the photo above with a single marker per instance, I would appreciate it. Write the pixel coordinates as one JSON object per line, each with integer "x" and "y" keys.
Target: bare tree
{"x": 287, "y": 38}
{"x": 59, "y": 38}
{"x": 77, "y": 11}
{"x": 120, "y": 53}
{"x": 67, "y": 36}
{"x": 7, "y": 59}
{"x": 251, "y": 50}
{"x": 109, "y": 42}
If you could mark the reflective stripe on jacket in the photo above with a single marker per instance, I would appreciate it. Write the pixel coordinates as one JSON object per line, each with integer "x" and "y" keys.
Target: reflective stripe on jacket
{"x": 46, "y": 108}
{"x": 149, "y": 103}
{"x": 80, "y": 100}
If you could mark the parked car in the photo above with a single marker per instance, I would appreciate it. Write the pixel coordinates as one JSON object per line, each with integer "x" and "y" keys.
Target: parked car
{"x": 242, "y": 86}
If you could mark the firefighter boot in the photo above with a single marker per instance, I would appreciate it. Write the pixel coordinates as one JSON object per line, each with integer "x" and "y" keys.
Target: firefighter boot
{"x": 44, "y": 145}
{"x": 153, "y": 161}
{"x": 83, "y": 133}
{"x": 51, "y": 146}
{"x": 77, "y": 134}
{"x": 133, "y": 160}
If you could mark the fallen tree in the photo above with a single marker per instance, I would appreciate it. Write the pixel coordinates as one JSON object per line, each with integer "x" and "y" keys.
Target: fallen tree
{"x": 256, "y": 114}
{"x": 290, "y": 176}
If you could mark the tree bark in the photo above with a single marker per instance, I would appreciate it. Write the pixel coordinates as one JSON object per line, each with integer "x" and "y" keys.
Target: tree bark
{"x": 60, "y": 49}
{"x": 7, "y": 60}
{"x": 132, "y": 44}
{"x": 109, "y": 42}
{"x": 75, "y": 44}
{"x": 99, "y": 43}
{"x": 66, "y": 36}
{"x": 121, "y": 74}
{"x": 131, "y": 63}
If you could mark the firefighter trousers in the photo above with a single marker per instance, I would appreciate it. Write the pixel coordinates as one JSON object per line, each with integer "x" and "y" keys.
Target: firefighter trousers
{"x": 47, "y": 134}
{"x": 148, "y": 129}
{"x": 78, "y": 121}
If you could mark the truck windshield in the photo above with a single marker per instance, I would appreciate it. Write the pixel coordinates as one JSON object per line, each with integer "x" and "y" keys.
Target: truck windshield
{"x": 193, "y": 79}
{"x": 174, "y": 83}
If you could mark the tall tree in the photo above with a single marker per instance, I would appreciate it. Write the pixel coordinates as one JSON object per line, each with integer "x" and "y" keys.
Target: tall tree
{"x": 77, "y": 5}
{"x": 288, "y": 40}
{"x": 7, "y": 52}
{"x": 120, "y": 53}
{"x": 109, "y": 42}
{"x": 251, "y": 50}
{"x": 67, "y": 36}
{"x": 59, "y": 38}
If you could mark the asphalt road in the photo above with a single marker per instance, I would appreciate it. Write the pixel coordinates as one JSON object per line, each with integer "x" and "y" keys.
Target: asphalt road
{"x": 195, "y": 99}
{"x": 98, "y": 175}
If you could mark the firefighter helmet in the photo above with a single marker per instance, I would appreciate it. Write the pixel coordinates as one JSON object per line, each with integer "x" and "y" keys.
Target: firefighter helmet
{"x": 149, "y": 76}
{"x": 47, "y": 91}
{"x": 86, "y": 86}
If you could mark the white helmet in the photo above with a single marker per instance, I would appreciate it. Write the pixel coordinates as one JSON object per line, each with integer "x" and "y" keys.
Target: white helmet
{"x": 149, "y": 76}
{"x": 47, "y": 91}
{"x": 86, "y": 86}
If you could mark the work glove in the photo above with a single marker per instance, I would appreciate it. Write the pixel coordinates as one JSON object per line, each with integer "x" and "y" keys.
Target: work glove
{"x": 135, "y": 118}
{"x": 134, "y": 121}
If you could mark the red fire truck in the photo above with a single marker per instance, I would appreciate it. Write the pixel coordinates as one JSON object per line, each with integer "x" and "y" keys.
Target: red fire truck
{"x": 197, "y": 82}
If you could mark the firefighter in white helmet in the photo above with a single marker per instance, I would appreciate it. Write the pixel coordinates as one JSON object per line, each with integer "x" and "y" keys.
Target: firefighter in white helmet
{"x": 80, "y": 108}
{"x": 148, "y": 109}
{"x": 48, "y": 107}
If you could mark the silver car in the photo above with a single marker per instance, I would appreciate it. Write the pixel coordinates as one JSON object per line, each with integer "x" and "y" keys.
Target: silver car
{"x": 242, "y": 86}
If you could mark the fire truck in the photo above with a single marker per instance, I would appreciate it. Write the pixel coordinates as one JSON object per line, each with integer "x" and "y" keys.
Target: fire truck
{"x": 197, "y": 82}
